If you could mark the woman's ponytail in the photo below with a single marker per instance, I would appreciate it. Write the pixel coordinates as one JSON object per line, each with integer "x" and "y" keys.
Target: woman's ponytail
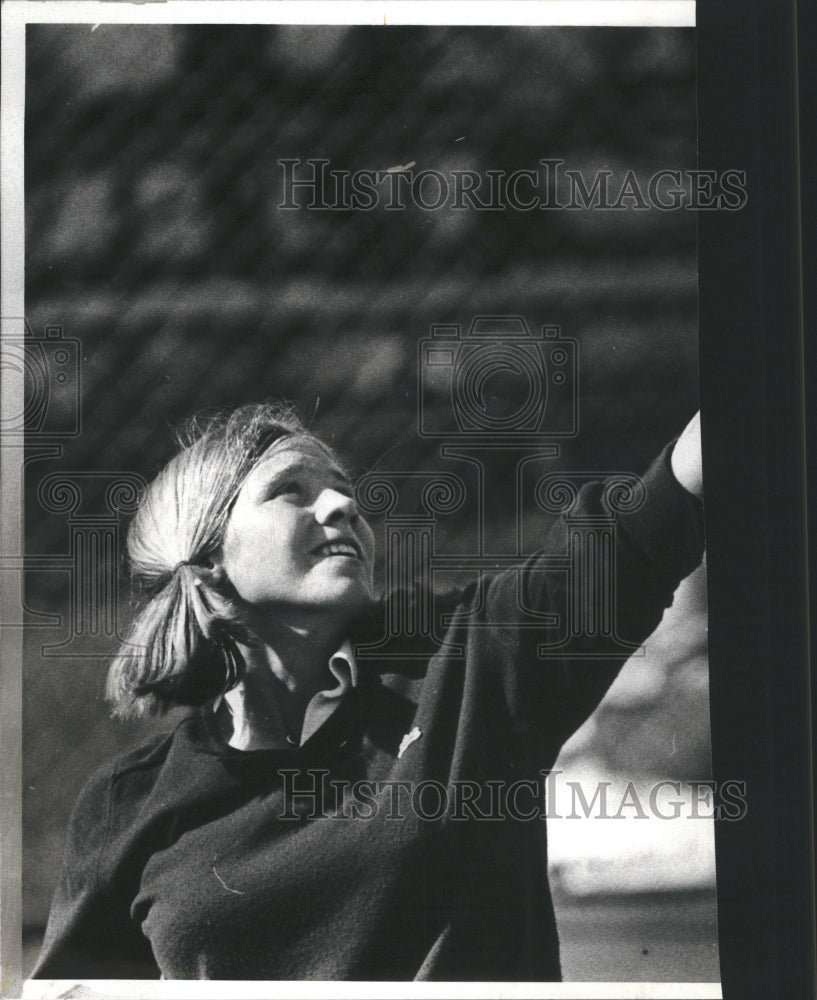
{"x": 182, "y": 649}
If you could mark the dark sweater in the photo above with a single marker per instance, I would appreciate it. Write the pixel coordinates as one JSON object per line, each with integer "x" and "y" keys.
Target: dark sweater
{"x": 191, "y": 859}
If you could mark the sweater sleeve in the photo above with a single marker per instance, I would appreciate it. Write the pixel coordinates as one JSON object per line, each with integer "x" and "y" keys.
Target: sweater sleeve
{"x": 90, "y": 932}
{"x": 629, "y": 562}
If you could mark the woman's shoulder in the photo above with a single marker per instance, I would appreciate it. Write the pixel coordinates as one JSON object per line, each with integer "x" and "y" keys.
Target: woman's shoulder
{"x": 407, "y": 604}
{"x": 142, "y": 758}
{"x": 138, "y": 786}
{"x": 130, "y": 774}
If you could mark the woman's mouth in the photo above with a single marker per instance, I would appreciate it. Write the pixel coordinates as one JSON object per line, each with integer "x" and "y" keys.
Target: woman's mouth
{"x": 337, "y": 549}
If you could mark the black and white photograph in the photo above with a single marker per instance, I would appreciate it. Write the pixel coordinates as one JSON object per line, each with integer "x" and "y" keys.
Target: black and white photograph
{"x": 362, "y": 595}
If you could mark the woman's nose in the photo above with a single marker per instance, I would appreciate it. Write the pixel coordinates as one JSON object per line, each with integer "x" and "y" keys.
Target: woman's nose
{"x": 332, "y": 505}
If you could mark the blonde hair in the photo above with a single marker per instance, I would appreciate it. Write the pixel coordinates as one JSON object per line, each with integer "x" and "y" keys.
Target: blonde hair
{"x": 182, "y": 648}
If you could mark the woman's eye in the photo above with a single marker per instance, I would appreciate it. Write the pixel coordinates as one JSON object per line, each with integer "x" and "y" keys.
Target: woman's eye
{"x": 289, "y": 488}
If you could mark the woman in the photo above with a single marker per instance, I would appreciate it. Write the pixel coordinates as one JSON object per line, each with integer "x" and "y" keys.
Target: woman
{"x": 279, "y": 832}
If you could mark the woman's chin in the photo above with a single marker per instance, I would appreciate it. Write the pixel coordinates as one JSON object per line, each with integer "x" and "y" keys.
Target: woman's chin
{"x": 347, "y": 594}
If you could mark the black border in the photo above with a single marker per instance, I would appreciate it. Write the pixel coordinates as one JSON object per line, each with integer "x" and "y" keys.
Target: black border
{"x": 753, "y": 417}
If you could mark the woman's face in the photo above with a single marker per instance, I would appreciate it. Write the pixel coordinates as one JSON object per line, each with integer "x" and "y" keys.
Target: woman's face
{"x": 295, "y": 541}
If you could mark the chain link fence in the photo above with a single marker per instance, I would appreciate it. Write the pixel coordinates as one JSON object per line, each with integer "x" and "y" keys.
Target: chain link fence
{"x": 192, "y": 228}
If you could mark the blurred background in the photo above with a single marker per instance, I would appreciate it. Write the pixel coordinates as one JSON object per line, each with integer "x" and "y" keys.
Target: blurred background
{"x": 157, "y": 253}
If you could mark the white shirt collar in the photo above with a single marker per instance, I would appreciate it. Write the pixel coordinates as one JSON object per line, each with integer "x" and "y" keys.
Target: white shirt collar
{"x": 343, "y": 665}
{"x": 344, "y": 669}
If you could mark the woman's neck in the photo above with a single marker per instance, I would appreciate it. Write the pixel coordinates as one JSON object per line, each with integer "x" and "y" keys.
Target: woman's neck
{"x": 283, "y": 673}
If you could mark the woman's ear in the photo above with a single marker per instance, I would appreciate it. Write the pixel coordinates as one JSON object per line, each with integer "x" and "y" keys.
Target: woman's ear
{"x": 210, "y": 570}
